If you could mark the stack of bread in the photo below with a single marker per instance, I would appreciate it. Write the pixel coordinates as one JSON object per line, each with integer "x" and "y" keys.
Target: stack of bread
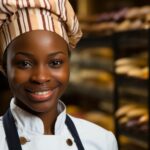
{"x": 133, "y": 118}
{"x": 92, "y": 53}
{"x": 135, "y": 66}
{"x": 97, "y": 52}
{"x": 96, "y": 77}
{"x": 122, "y": 20}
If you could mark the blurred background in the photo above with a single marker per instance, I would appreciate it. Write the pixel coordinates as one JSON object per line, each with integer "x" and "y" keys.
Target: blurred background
{"x": 109, "y": 81}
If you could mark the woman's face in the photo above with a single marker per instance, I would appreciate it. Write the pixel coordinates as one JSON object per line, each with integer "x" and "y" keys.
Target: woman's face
{"x": 38, "y": 70}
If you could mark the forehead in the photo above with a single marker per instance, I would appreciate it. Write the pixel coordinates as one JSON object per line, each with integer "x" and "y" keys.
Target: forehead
{"x": 37, "y": 40}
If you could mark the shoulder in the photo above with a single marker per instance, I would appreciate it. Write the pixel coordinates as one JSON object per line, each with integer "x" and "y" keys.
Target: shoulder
{"x": 88, "y": 127}
{"x": 94, "y": 134}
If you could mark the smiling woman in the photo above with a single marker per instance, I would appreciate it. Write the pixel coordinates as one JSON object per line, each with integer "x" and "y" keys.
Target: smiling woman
{"x": 36, "y": 37}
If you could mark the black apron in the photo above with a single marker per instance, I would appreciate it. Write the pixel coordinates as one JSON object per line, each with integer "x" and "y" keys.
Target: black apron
{"x": 12, "y": 136}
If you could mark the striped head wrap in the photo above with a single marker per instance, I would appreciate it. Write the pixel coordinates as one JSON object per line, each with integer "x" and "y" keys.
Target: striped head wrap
{"x": 21, "y": 16}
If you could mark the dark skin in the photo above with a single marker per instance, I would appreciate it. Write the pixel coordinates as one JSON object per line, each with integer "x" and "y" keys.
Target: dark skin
{"x": 37, "y": 68}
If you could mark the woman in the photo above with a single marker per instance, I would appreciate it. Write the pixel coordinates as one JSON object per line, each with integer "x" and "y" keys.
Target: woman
{"x": 36, "y": 37}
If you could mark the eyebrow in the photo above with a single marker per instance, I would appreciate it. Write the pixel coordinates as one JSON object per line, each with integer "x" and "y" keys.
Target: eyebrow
{"x": 32, "y": 55}
{"x": 23, "y": 53}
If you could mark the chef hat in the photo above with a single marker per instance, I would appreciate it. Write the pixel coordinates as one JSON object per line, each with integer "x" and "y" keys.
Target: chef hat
{"x": 21, "y": 16}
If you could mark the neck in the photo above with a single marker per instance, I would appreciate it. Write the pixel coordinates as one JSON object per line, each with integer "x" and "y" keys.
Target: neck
{"x": 49, "y": 120}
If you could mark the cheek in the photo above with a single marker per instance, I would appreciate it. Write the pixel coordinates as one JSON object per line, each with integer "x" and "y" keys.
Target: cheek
{"x": 16, "y": 78}
{"x": 63, "y": 75}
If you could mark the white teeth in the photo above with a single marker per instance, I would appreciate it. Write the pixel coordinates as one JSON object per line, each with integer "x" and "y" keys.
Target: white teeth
{"x": 41, "y": 93}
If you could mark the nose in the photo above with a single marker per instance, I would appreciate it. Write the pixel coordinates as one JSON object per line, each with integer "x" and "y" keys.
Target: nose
{"x": 40, "y": 75}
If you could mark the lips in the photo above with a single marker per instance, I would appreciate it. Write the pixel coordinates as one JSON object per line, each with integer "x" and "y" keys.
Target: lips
{"x": 40, "y": 95}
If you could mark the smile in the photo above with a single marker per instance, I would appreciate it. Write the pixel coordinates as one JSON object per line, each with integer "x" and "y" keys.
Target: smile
{"x": 40, "y": 95}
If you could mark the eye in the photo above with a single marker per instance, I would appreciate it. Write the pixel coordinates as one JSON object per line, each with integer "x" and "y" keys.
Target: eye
{"x": 24, "y": 64}
{"x": 55, "y": 63}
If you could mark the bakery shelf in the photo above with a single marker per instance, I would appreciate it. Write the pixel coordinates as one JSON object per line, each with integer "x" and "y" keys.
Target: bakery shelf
{"x": 127, "y": 44}
{"x": 133, "y": 39}
{"x": 94, "y": 41}
{"x": 134, "y": 82}
{"x": 136, "y": 137}
{"x": 132, "y": 89}
{"x": 134, "y": 95}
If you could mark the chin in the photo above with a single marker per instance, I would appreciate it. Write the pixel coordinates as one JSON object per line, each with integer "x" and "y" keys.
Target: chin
{"x": 42, "y": 108}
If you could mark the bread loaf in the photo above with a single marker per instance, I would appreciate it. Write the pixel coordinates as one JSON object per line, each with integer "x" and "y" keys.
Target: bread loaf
{"x": 132, "y": 13}
{"x": 124, "y": 110}
{"x": 124, "y": 69}
{"x": 136, "y": 113}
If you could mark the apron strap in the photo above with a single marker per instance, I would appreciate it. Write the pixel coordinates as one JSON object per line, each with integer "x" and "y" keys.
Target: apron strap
{"x": 12, "y": 136}
{"x": 74, "y": 132}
